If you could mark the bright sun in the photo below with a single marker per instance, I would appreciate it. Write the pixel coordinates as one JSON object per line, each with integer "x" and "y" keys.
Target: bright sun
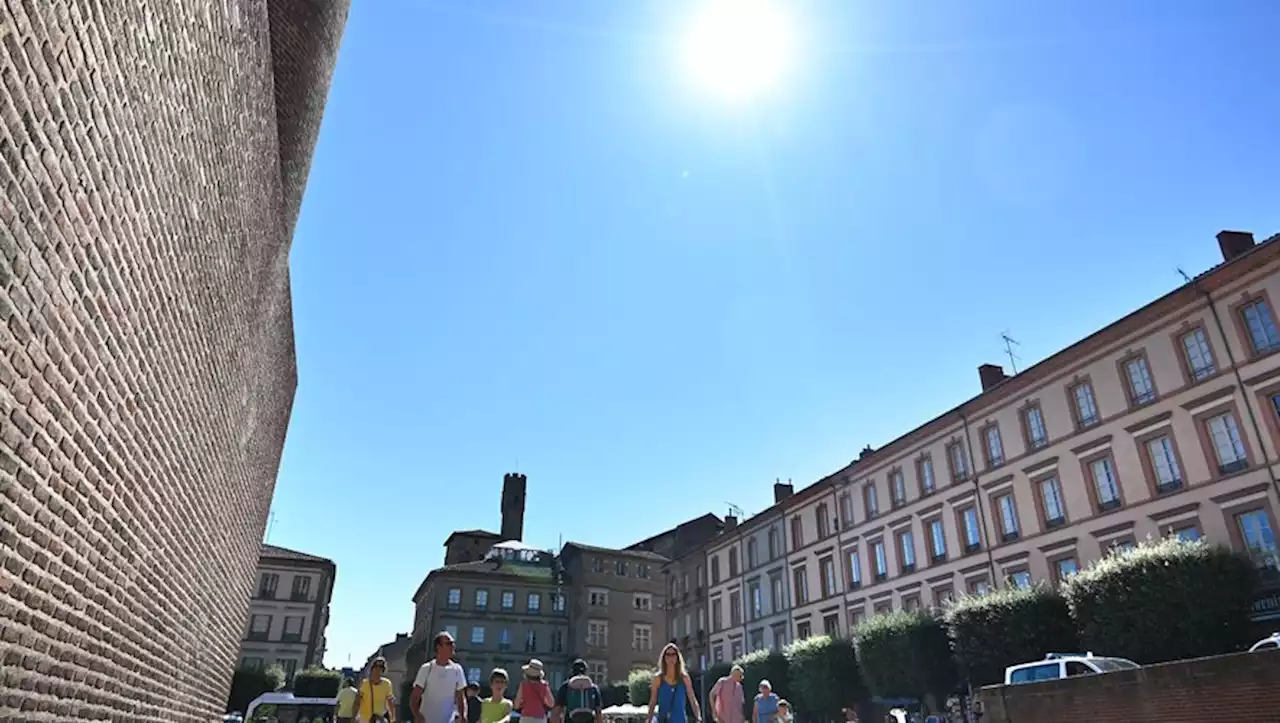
{"x": 738, "y": 48}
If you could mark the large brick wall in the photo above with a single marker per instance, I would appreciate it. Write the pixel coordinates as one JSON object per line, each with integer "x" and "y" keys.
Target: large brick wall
{"x": 152, "y": 161}
{"x": 1240, "y": 687}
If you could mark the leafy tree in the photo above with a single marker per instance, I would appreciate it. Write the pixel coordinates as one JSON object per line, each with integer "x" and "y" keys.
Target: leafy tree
{"x": 770, "y": 665}
{"x": 905, "y": 655}
{"x": 247, "y": 683}
{"x": 615, "y": 693}
{"x": 317, "y": 683}
{"x": 1164, "y": 600}
{"x": 823, "y": 676}
{"x": 1008, "y": 626}
{"x": 638, "y": 684}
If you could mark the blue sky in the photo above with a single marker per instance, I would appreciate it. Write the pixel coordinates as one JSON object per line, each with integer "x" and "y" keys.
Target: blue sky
{"x": 529, "y": 244}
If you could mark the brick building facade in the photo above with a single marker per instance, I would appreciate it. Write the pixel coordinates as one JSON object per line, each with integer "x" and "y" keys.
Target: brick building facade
{"x": 152, "y": 158}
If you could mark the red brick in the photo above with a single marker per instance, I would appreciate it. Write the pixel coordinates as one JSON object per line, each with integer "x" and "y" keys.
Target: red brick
{"x": 121, "y": 424}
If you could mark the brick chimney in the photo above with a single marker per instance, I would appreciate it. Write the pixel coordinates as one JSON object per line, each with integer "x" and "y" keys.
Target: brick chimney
{"x": 513, "y": 490}
{"x": 1234, "y": 243}
{"x": 730, "y": 522}
{"x": 782, "y": 490}
{"x": 991, "y": 375}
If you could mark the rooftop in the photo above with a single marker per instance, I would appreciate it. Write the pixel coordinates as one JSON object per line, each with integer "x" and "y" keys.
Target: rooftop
{"x": 275, "y": 552}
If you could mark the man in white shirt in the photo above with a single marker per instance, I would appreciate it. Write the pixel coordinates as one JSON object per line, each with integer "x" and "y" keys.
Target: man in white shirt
{"x": 439, "y": 691}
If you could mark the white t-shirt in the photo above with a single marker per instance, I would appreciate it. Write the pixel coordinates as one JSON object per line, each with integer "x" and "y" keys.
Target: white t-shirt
{"x": 439, "y": 684}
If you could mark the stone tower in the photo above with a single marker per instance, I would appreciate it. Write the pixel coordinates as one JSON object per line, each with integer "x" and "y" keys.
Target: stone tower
{"x": 513, "y": 490}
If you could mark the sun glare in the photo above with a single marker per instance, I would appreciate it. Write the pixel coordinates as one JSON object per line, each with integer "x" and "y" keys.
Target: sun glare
{"x": 738, "y": 48}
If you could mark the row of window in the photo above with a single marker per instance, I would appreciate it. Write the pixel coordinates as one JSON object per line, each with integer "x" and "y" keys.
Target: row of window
{"x": 598, "y": 597}
{"x": 621, "y": 568}
{"x": 269, "y": 587}
{"x": 291, "y": 632}
{"x": 1196, "y": 359}
{"x": 754, "y": 560}
{"x": 506, "y": 601}
{"x": 505, "y": 639}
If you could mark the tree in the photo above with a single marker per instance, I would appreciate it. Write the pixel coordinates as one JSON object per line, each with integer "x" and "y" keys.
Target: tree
{"x": 824, "y": 678}
{"x": 1008, "y": 626}
{"x": 615, "y": 693}
{"x": 247, "y": 683}
{"x": 770, "y": 665}
{"x": 317, "y": 683}
{"x": 1164, "y": 600}
{"x": 905, "y": 655}
{"x": 638, "y": 684}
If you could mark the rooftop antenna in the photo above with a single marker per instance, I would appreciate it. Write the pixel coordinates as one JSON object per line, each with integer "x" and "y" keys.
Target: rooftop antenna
{"x": 271, "y": 521}
{"x": 1009, "y": 344}
{"x": 1183, "y": 274}
{"x": 736, "y": 511}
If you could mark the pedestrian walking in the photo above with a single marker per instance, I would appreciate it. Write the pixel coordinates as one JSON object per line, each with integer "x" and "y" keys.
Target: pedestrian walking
{"x": 497, "y": 707}
{"x": 784, "y": 712}
{"x": 672, "y": 689}
{"x": 727, "y": 700}
{"x": 346, "y": 708}
{"x": 376, "y": 697}
{"x": 533, "y": 698}
{"x": 765, "y": 708}
{"x": 439, "y": 689}
{"x": 579, "y": 699}
{"x": 473, "y": 702}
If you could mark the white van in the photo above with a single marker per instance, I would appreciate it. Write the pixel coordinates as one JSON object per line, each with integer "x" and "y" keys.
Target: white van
{"x": 290, "y": 709}
{"x": 1056, "y": 666}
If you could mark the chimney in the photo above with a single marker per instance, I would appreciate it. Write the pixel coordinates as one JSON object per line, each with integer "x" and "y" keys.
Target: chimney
{"x": 991, "y": 375}
{"x": 782, "y": 490}
{"x": 513, "y": 489}
{"x": 730, "y": 522}
{"x": 1234, "y": 244}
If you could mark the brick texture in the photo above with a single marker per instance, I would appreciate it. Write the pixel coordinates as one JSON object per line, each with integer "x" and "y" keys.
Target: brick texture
{"x": 152, "y": 162}
{"x": 1240, "y": 687}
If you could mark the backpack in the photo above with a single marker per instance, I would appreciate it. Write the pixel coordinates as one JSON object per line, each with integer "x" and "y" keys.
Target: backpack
{"x": 581, "y": 702}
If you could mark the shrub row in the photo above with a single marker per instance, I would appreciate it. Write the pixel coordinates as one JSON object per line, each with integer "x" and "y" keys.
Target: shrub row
{"x": 1163, "y": 600}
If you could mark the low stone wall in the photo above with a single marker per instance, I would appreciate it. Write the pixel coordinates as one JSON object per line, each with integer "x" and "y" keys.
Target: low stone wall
{"x": 1238, "y": 687}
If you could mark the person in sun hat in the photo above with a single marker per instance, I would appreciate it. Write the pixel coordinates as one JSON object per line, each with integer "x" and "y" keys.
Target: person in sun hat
{"x": 533, "y": 698}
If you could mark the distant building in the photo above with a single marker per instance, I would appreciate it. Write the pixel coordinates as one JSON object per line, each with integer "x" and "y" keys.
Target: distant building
{"x": 501, "y": 610}
{"x": 289, "y": 610}
{"x": 750, "y": 596}
{"x": 394, "y": 653}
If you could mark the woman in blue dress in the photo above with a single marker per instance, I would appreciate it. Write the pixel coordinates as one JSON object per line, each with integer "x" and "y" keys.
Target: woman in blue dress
{"x": 672, "y": 689}
{"x": 765, "y": 709}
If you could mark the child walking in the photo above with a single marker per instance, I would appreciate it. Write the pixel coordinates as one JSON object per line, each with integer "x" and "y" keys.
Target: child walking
{"x": 497, "y": 707}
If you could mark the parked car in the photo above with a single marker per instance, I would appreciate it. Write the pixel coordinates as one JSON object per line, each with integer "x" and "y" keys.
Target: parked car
{"x": 1271, "y": 642}
{"x": 1056, "y": 666}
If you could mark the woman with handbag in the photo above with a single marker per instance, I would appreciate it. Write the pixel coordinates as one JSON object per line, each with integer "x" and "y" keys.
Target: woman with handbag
{"x": 672, "y": 689}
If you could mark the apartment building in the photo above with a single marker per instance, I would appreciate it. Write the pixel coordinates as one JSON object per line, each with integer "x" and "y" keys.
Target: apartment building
{"x": 813, "y": 526}
{"x": 749, "y": 595}
{"x": 687, "y": 609}
{"x": 501, "y": 611}
{"x": 1165, "y": 422}
{"x": 616, "y": 600}
{"x": 289, "y": 611}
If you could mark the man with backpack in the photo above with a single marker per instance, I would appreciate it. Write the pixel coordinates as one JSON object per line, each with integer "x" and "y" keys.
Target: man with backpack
{"x": 578, "y": 700}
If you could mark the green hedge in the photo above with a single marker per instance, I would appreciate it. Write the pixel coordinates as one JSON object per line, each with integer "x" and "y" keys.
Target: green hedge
{"x": 1164, "y": 600}
{"x": 317, "y": 683}
{"x": 770, "y": 665}
{"x": 1008, "y": 626}
{"x": 616, "y": 693}
{"x": 249, "y": 683}
{"x": 905, "y": 655}
{"x": 638, "y": 685}
{"x": 824, "y": 677}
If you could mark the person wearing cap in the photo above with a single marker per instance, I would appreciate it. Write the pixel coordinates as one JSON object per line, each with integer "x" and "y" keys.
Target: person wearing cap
{"x": 727, "y": 700}
{"x": 765, "y": 709}
{"x": 533, "y": 697}
{"x": 375, "y": 700}
{"x": 473, "y": 702}
{"x": 439, "y": 689}
{"x": 579, "y": 699}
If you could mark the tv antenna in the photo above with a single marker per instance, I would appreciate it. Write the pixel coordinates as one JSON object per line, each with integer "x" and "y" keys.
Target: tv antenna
{"x": 1183, "y": 274}
{"x": 271, "y": 521}
{"x": 1009, "y": 344}
{"x": 736, "y": 511}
